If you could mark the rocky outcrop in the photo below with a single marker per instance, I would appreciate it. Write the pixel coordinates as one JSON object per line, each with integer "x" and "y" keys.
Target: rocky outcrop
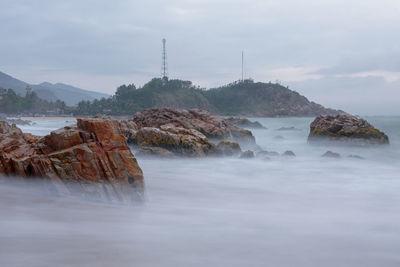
{"x": 330, "y": 154}
{"x": 345, "y": 128}
{"x": 181, "y": 132}
{"x": 247, "y": 154}
{"x": 91, "y": 159}
{"x": 228, "y": 148}
{"x": 244, "y": 123}
{"x": 288, "y": 153}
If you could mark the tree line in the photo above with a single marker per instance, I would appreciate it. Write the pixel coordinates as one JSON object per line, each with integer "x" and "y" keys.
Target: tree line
{"x": 12, "y": 103}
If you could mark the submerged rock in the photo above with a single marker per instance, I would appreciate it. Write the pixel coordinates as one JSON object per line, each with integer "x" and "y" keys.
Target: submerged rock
{"x": 289, "y": 153}
{"x": 345, "y": 128}
{"x": 228, "y": 148}
{"x": 91, "y": 159}
{"x": 247, "y": 154}
{"x": 245, "y": 123}
{"x": 182, "y": 132}
{"x": 330, "y": 154}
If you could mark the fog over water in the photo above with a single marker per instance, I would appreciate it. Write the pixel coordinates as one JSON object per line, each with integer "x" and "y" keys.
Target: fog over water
{"x": 302, "y": 211}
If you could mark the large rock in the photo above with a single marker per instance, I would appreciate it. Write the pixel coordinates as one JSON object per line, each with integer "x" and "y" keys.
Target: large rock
{"x": 245, "y": 123}
{"x": 91, "y": 159}
{"x": 182, "y": 132}
{"x": 228, "y": 148}
{"x": 345, "y": 128}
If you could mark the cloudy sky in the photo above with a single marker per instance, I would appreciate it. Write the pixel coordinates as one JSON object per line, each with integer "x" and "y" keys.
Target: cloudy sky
{"x": 341, "y": 53}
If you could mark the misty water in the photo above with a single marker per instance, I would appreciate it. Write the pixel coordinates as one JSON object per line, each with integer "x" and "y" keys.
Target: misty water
{"x": 301, "y": 211}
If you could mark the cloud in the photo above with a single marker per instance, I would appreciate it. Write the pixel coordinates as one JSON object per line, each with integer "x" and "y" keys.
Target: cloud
{"x": 369, "y": 95}
{"x": 286, "y": 40}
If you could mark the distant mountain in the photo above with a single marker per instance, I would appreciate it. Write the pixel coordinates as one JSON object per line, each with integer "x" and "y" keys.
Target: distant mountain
{"x": 51, "y": 92}
{"x": 245, "y": 98}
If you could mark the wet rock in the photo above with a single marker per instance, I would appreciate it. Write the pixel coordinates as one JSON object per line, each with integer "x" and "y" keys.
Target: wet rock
{"x": 289, "y": 153}
{"x": 345, "y": 128}
{"x": 154, "y": 152}
{"x": 330, "y": 154}
{"x": 17, "y": 121}
{"x": 177, "y": 140}
{"x": 183, "y": 132}
{"x": 247, "y": 154}
{"x": 245, "y": 123}
{"x": 6, "y": 128}
{"x": 228, "y": 148}
{"x": 91, "y": 159}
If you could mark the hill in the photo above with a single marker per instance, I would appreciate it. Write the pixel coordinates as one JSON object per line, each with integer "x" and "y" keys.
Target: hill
{"x": 50, "y": 92}
{"x": 259, "y": 99}
{"x": 240, "y": 98}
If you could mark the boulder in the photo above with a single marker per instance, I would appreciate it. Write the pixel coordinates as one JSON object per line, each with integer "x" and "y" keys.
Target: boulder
{"x": 247, "y": 154}
{"x": 177, "y": 140}
{"x": 244, "y": 123}
{"x": 347, "y": 129}
{"x": 355, "y": 157}
{"x": 330, "y": 154}
{"x": 91, "y": 159}
{"x": 288, "y": 153}
{"x": 182, "y": 132}
{"x": 228, "y": 148}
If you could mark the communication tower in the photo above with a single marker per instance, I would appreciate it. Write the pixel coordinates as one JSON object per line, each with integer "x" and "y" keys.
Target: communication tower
{"x": 164, "y": 65}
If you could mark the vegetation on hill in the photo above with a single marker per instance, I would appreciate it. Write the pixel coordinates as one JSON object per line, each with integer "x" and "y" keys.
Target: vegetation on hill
{"x": 12, "y": 103}
{"x": 156, "y": 93}
{"x": 239, "y": 98}
{"x": 50, "y": 92}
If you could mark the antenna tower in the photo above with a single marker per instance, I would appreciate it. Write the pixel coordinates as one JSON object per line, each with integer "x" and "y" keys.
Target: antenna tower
{"x": 164, "y": 66}
{"x": 242, "y": 66}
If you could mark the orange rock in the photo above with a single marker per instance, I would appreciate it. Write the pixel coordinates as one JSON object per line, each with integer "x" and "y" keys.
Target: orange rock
{"x": 91, "y": 159}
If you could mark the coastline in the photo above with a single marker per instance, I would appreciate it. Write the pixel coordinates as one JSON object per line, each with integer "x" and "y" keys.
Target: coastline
{"x": 56, "y": 118}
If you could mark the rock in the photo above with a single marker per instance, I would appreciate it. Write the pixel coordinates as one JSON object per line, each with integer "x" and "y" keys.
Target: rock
{"x": 265, "y": 153}
{"x": 7, "y": 129}
{"x": 182, "y": 132}
{"x": 154, "y": 151}
{"x": 247, "y": 154}
{"x": 279, "y": 137}
{"x": 91, "y": 159}
{"x": 292, "y": 128}
{"x": 228, "y": 148}
{"x": 200, "y": 120}
{"x": 18, "y": 121}
{"x": 129, "y": 130}
{"x": 289, "y": 153}
{"x": 244, "y": 123}
{"x": 177, "y": 140}
{"x": 330, "y": 154}
{"x": 347, "y": 129}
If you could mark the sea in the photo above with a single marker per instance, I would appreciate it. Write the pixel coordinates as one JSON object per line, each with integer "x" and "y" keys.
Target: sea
{"x": 301, "y": 211}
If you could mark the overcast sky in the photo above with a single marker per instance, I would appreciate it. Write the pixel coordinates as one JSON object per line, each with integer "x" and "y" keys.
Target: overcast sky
{"x": 340, "y": 53}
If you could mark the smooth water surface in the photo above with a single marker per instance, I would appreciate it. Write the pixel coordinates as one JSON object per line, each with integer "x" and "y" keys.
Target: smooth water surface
{"x": 302, "y": 211}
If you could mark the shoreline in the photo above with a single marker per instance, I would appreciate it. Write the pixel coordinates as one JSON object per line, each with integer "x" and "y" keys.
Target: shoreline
{"x": 46, "y": 118}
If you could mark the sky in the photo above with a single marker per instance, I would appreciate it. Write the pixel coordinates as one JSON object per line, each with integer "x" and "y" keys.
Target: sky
{"x": 344, "y": 54}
